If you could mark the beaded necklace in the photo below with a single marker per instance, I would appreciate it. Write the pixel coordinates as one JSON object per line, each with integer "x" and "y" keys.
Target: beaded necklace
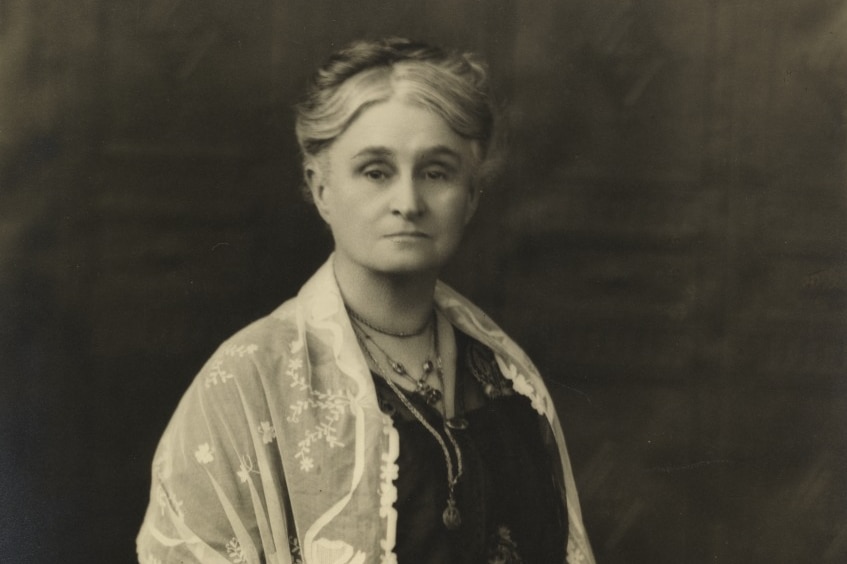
{"x": 399, "y": 334}
{"x": 451, "y": 517}
{"x": 430, "y": 394}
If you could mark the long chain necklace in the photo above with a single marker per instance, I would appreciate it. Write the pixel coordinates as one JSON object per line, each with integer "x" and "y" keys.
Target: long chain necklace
{"x": 430, "y": 394}
{"x": 399, "y": 334}
{"x": 451, "y": 517}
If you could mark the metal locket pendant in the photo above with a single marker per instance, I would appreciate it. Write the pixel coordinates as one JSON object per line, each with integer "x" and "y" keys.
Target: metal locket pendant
{"x": 451, "y": 516}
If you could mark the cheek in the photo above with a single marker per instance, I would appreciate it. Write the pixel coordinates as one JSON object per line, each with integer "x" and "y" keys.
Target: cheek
{"x": 461, "y": 206}
{"x": 456, "y": 216}
{"x": 351, "y": 216}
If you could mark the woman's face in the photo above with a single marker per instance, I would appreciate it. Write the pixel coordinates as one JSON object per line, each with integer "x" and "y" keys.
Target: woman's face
{"x": 396, "y": 189}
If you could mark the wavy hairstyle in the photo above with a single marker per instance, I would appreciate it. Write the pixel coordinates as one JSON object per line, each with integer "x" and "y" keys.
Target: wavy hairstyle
{"x": 452, "y": 84}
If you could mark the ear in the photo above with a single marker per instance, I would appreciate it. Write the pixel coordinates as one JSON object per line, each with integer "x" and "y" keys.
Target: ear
{"x": 315, "y": 180}
{"x": 473, "y": 202}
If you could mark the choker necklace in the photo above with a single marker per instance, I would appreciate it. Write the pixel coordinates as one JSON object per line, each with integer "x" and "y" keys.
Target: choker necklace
{"x": 399, "y": 334}
{"x": 451, "y": 517}
{"x": 430, "y": 394}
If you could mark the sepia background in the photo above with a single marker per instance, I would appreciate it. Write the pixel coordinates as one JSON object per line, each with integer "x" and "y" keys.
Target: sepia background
{"x": 668, "y": 241}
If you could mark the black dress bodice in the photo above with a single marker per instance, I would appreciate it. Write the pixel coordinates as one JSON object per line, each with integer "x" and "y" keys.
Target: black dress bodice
{"x": 510, "y": 495}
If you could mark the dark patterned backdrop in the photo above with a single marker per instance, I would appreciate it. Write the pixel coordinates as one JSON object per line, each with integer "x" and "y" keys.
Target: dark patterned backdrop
{"x": 669, "y": 242}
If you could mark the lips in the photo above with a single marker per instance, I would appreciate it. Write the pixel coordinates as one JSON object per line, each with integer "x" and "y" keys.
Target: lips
{"x": 407, "y": 234}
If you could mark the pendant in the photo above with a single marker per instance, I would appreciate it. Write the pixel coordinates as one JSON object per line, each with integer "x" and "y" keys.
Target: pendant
{"x": 430, "y": 394}
{"x": 457, "y": 423}
{"x": 452, "y": 518}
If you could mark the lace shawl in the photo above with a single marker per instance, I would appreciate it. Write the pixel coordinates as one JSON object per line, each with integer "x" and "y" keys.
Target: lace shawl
{"x": 278, "y": 451}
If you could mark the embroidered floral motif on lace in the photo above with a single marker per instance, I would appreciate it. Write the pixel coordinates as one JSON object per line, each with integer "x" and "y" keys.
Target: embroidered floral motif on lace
{"x": 388, "y": 474}
{"x": 204, "y": 454}
{"x": 166, "y": 501}
{"x": 239, "y": 350}
{"x": 267, "y": 432}
{"x": 334, "y": 404}
{"x": 245, "y": 468}
{"x": 575, "y": 554}
{"x": 522, "y": 385}
{"x": 217, "y": 375}
{"x": 235, "y": 552}
{"x": 294, "y": 547}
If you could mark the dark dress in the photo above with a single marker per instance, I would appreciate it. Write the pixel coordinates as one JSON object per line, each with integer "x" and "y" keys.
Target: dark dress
{"x": 510, "y": 495}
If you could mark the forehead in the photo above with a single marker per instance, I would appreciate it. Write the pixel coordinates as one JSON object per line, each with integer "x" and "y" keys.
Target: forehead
{"x": 400, "y": 128}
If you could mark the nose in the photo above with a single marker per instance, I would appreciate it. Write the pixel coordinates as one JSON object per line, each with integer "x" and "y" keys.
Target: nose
{"x": 406, "y": 200}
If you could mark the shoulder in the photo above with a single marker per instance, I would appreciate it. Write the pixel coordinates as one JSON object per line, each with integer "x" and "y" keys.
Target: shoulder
{"x": 239, "y": 377}
{"x": 473, "y": 321}
{"x": 513, "y": 362}
{"x": 260, "y": 345}
{"x": 264, "y": 336}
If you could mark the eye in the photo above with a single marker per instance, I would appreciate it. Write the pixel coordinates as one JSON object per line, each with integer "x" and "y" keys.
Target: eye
{"x": 437, "y": 173}
{"x": 376, "y": 172}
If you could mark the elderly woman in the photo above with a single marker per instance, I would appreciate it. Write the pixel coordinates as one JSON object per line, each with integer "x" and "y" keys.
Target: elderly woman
{"x": 378, "y": 416}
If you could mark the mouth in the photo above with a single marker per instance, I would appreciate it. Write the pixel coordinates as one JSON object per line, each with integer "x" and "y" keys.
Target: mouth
{"x": 407, "y": 235}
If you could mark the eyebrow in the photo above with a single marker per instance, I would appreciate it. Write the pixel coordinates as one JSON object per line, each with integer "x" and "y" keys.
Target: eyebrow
{"x": 441, "y": 150}
{"x": 435, "y": 151}
{"x": 376, "y": 151}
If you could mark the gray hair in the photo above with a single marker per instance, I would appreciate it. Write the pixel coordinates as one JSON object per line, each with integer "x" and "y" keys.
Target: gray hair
{"x": 452, "y": 84}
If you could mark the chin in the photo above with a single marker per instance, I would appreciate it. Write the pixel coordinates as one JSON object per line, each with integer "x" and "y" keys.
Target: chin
{"x": 408, "y": 265}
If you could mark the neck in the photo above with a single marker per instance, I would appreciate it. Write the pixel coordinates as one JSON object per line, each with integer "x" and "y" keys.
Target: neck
{"x": 400, "y": 303}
